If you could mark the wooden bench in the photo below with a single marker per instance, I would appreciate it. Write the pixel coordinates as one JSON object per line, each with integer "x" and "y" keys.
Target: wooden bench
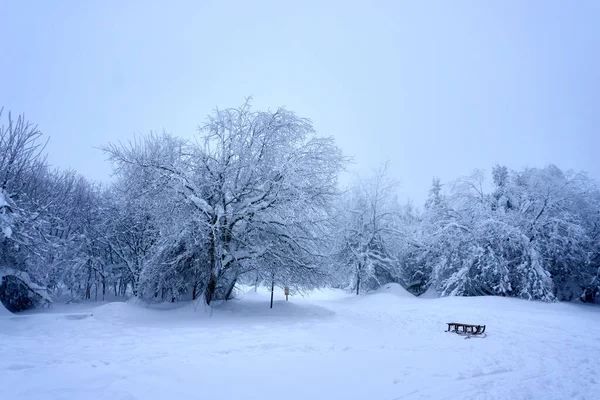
{"x": 465, "y": 329}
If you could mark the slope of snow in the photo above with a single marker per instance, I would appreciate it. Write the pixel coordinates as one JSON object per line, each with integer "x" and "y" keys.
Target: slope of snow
{"x": 430, "y": 293}
{"x": 394, "y": 289}
{"x": 330, "y": 346}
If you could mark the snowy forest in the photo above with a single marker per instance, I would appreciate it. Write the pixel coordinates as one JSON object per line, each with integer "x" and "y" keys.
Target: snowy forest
{"x": 255, "y": 198}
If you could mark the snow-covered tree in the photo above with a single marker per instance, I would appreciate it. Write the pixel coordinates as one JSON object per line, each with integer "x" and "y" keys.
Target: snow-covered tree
{"x": 530, "y": 237}
{"x": 254, "y": 198}
{"x": 257, "y": 184}
{"x": 22, "y": 208}
{"x": 22, "y": 169}
{"x": 366, "y": 236}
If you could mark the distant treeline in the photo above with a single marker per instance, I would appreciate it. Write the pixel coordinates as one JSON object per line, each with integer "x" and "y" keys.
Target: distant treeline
{"x": 255, "y": 199}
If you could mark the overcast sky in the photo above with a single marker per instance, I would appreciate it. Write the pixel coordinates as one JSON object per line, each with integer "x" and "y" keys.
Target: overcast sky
{"x": 436, "y": 88}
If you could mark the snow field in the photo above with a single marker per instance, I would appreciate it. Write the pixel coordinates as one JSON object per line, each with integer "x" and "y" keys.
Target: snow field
{"x": 329, "y": 345}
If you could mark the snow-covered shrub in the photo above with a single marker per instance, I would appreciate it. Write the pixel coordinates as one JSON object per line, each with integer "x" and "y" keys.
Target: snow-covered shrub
{"x": 533, "y": 237}
{"x": 19, "y": 293}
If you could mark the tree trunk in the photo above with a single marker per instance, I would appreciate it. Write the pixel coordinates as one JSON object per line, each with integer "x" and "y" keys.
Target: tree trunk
{"x": 272, "y": 290}
{"x": 88, "y": 284}
{"x": 230, "y": 289}
{"x": 212, "y": 280}
{"x": 357, "y": 283}
{"x": 95, "y": 286}
{"x": 210, "y": 289}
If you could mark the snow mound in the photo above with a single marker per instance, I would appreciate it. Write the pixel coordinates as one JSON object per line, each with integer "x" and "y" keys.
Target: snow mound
{"x": 430, "y": 293}
{"x": 155, "y": 314}
{"x": 394, "y": 289}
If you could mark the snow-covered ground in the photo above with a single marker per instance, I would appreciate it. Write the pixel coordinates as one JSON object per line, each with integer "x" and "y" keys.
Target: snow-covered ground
{"x": 387, "y": 345}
